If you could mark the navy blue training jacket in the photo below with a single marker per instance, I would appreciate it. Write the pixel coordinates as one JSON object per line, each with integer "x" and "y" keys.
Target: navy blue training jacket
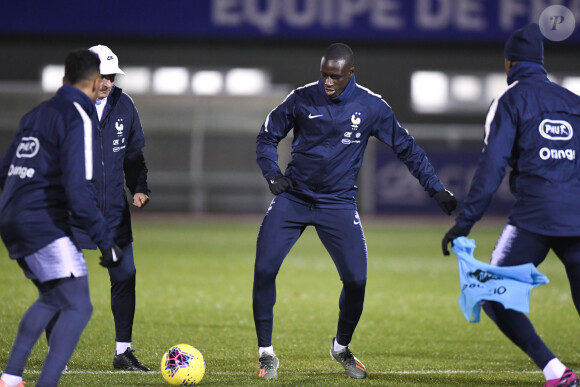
{"x": 531, "y": 127}
{"x": 119, "y": 161}
{"x": 330, "y": 137}
{"x": 46, "y": 173}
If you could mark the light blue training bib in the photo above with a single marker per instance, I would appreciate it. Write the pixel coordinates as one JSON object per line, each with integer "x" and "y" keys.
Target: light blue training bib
{"x": 508, "y": 285}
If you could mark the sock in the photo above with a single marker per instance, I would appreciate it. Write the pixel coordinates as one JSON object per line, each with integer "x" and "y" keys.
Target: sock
{"x": 338, "y": 347}
{"x": 122, "y": 347}
{"x": 269, "y": 349}
{"x": 554, "y": 369}
{"x": 11, "y": 380}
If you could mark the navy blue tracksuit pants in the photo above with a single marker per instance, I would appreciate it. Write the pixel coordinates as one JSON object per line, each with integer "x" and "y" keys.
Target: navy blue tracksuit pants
{"x": 517, "y": 246}
{"x": 342, "y": 235}
{"x": 122, "y": 297}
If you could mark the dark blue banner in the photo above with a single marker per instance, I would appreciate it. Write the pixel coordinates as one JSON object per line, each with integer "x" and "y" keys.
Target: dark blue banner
{"x": 369, "y": 20}
{"x": 397, "y": 191}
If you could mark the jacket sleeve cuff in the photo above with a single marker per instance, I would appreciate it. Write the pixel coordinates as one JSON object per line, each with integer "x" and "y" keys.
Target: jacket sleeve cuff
{"x": 436, "y": 188}
{"x": 464, "y": 223}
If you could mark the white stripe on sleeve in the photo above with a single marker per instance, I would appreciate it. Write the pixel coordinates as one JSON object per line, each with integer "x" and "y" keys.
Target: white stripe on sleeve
{"x": 88, "y": 128}
{"x": 491, "y": 112}
{"x": 267, "y": 121}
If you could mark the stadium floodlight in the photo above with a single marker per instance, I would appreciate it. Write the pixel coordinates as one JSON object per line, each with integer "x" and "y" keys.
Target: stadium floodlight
{"x": 429, "y": 91}
{"x": 572, "y": 84}
{"x": 553, "y": 78}
{"x": 246, "y": 81}
{"x": 466, "y": 88}
{"x": 495, "y": 84}
{"x": 207, "y": 82}
{"x": 137, "y": 80}
{"x": 170, "y": 80}
{"x": 51, "y": 77}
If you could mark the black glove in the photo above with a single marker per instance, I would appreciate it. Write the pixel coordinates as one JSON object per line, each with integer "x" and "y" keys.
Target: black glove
{"x": 446, "y": 201}
{"x": 111, "y": 257}
{"x": 454, "y": 232}
{"x": 280, "y": 184}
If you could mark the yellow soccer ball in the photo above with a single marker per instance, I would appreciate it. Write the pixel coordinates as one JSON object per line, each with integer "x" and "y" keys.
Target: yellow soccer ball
{"x": 182, "y": 365}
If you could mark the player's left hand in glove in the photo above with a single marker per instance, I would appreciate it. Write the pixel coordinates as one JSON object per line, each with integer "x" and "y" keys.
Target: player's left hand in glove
{"x": 446, "y": 201}
{"x": 111, "y": 256}
{"x": 280, "y": 184}
{"x": 454, "y": 232}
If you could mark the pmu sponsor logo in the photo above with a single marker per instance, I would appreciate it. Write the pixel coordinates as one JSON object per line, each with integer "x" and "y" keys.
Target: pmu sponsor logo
{"x": 557, "y": 154}
{"x": 557, "y": 130}
{"x": 21, "y": 172}
{"x": 28, "y": 147}
{"x": 483, "y": 276}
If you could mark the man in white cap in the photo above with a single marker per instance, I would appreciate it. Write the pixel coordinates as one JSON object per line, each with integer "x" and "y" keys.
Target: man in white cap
{"x": 118, "y": 161}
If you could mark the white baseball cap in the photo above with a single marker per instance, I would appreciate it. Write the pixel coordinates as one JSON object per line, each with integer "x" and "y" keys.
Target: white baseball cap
{"x": 109, "y": 61}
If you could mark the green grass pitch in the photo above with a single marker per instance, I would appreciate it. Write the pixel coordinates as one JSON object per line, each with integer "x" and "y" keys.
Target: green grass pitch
{"x": 194, "y": 286}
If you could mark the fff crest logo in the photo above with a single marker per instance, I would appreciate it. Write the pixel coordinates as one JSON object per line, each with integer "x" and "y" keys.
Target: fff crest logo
{"x": 355, "y": 120}
{"x": 119, "y": 126}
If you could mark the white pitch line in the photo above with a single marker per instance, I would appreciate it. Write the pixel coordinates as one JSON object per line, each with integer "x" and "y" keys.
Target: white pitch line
{"x": 404, "y": 372}
{"x": 412, "y": 372}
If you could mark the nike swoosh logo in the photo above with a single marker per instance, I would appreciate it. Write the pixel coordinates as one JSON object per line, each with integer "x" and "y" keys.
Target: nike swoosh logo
{"x": 311, "y": 116}
{"x": 355, "y": 222}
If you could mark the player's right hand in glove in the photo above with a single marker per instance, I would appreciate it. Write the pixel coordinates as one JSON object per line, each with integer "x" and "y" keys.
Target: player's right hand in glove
{"x": 111, "y": 256}
{"x": 454, "y": 232}
{"x": 280, "y": 184}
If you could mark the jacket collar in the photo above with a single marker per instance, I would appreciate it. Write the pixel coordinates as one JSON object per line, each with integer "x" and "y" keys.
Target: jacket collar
{"x": 346, "y": 93}
{"x": 112, "y": 100}
{"x": 523, "y": 70}
{"x": 114, "y": 95}
{"x": 73, "y": 94}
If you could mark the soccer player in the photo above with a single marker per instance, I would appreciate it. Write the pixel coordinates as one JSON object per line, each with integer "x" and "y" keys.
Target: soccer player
{"x": 332, "y": 119}
{"x": 45, "y": 175}
{"x": 532, "y": 128}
